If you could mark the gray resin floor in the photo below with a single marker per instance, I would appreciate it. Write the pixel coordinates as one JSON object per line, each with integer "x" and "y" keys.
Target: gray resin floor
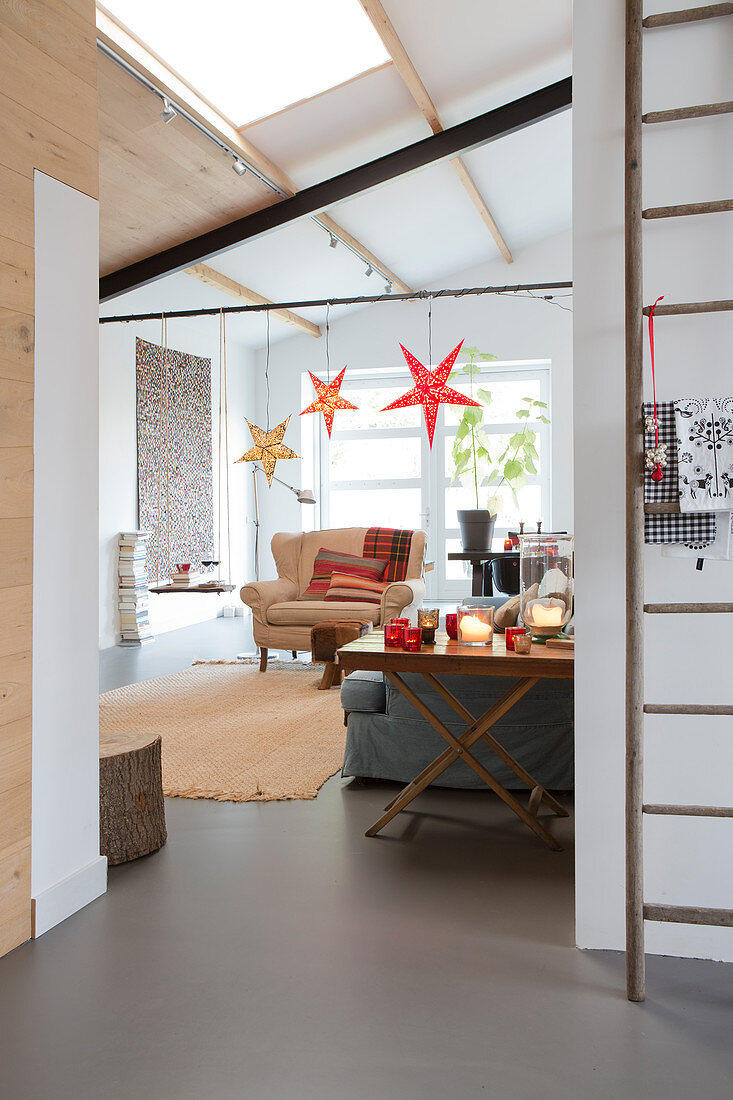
{"x": 271, "y": 951}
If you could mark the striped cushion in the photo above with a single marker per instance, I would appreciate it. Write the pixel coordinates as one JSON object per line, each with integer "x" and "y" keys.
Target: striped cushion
{"x": 349, "y": 589}
{"x": 329, "y": 561}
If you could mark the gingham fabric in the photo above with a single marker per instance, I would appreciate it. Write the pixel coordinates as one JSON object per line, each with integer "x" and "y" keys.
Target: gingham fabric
{"x": 390, "y": 543}
{"x": 695, "y": 530}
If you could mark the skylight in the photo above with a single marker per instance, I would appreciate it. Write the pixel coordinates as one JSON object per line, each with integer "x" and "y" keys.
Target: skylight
{"x": 251, "y": 59}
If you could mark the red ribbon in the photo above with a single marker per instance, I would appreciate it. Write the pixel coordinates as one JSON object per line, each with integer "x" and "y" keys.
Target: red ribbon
{"x": 654, "y": 380}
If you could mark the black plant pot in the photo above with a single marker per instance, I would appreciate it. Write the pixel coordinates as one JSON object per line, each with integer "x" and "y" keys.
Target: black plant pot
{"x": 505, "y": 574}
{"x": 477, "y": 528}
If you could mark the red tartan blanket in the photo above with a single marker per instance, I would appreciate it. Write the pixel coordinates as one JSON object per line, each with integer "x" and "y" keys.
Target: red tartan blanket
{"x": 388, "y": 542}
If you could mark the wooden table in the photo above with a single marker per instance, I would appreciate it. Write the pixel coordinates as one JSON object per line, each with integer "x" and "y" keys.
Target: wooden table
{"x": 456, "y": 659}
{"x": 217, "y": 588}
{"x": 481, "y": 582}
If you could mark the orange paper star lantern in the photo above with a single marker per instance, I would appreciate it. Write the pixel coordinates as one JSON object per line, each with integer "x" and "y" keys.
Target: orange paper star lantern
{"x": 268, "y": 447}
{"x": 430, "y": 389}
{"x": 328, "y": 399}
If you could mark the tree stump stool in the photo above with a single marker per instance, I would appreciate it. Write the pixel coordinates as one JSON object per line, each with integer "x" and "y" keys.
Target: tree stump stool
{"x": 330, "y": 635}
{"x": 131, "y": 807}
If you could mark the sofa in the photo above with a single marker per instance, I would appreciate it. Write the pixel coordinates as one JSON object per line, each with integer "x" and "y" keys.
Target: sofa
{"x": 282, "y": 620}
{"x": 387, "y": 738}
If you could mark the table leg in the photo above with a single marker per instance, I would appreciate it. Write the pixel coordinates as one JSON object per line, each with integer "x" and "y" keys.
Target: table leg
{"x": 496, "y": 746}
{"x": 477, "y": 578}
{"x": 459, "y": 749}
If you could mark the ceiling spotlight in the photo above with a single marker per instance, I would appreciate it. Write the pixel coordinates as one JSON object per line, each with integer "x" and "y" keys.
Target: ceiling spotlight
{"x": 369, "y": 271}
{"x": 239, "y": 167}
{"x": 388, "y": 288}
{"x": 169, "y": 112}
{"x": 333, "y": 242}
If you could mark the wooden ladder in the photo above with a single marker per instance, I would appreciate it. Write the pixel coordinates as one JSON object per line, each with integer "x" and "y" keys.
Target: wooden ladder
{"x": 637, "y": 910}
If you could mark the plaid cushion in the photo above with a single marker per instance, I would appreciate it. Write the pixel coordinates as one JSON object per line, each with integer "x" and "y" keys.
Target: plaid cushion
{"x": 390, "y": 543}
{"x": 695, "y": 529}
{"x": 346, "y": 588}
{"x": 329, "y": 561}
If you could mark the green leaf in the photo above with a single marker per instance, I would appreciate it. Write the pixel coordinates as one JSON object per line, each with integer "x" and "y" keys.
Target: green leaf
{"x": 503, "y": 454}
{"x": 487, "y": 356}
{"x": 543, "y": 419}
{"x": 529, "y": 435}
{"x": 530, "y": 464}
{"x": 462, "y": 431}
{"x": 522, "y": 413}
{"x": 540, "y": 404}
{"x": 513, "y": 469}
{"x": 485, "y": 395}
{"x": 517, "y": 439}
{"x": 471, "y": 369}
{"x": 473, "y": 415}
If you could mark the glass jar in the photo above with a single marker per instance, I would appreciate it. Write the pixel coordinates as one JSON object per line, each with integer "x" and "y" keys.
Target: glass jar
{"x": 546, "y": 583}
{"x": 476, "y": 625}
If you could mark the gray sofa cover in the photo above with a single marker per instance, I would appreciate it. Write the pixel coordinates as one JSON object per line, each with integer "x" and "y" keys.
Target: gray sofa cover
{"x": 388, "y": 739}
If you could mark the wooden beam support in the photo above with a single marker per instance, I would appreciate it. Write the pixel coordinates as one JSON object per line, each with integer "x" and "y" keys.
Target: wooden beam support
{"x": 687, "y": 15}
{"x": 393, "y": 44}
{"x": 490, "y": 126}
{"x": 686, "y": 210}
{"x": 677, "y": 114}
{"x": 690, "y": 914}
{"x": 228, "y": 286}
{"x": 117, "y": 37}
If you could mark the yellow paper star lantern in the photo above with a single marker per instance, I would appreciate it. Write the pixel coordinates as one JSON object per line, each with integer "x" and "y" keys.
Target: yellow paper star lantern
{"x": 268, "y": 447}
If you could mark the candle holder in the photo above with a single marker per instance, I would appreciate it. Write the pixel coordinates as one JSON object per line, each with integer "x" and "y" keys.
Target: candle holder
{"x": 413, "y": 639}
{"x": 511, "y": 633}
{"x": 394, "y": 635}
{"x": 476, "y": 625}
{"x": 451, "y": 625}
{"x": 546, "y": 583}
{"x": 522, "y": 644}
{"x": 428, "y": 619}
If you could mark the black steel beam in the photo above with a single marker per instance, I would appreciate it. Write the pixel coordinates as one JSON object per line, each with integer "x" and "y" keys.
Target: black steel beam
{"x": 468, "y": 135}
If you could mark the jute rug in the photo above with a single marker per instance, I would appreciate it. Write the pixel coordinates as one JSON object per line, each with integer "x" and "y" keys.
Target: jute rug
{"x": 232, "y": 733}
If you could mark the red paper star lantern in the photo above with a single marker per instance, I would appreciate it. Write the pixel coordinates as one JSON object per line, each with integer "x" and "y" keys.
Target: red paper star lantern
{"x": 430, "y": 389}
{"x": 328, "y": 399}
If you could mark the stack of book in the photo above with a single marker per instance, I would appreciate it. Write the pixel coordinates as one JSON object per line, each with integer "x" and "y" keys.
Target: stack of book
{"x": 133, "y": 589}
{"x": 184, "y": 579}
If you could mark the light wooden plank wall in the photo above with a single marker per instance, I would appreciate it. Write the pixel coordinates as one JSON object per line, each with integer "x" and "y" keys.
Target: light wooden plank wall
{"x": 48, "y": 121}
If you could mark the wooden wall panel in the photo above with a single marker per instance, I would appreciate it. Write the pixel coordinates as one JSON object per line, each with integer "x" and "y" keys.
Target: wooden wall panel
{"x": 48, "y": 121}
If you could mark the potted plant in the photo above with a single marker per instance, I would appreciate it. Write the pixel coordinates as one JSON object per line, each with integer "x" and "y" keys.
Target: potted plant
{"x": 474, "y": 463}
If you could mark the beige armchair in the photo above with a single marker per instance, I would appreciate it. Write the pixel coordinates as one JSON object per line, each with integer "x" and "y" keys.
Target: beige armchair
{"x": 282, "y": 621}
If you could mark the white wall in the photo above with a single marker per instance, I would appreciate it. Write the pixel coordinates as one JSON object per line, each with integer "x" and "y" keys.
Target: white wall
{"x": 118, "y": 462}
{"x": 67, "y": 871}
{"x": 688, "y": 760}
{"x": 370, "y": 337}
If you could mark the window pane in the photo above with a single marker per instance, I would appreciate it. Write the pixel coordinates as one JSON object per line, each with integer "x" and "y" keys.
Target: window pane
{"x": 373, "y": 459}
{"x": 457, "y": 570}
{"x": 375, "y": 508}
{"x": 371, "y": 402}
{"x": 506, "y": 397}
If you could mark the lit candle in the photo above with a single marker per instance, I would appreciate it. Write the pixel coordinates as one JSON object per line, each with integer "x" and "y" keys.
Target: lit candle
{"x": 472, "y": 629}
{"x": 545, "y": 613}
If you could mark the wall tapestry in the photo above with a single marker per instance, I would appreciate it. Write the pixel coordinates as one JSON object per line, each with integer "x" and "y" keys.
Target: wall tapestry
{"x": 174, "y": 461}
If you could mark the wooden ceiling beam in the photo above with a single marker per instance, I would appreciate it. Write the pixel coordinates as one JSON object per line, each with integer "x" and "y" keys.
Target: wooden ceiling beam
{"x": 132, "y": 50}
{"x": 225, "y": 285}
{"x": 393, "y": 44}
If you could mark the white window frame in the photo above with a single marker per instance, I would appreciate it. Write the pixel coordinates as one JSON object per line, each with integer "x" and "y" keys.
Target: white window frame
{"x": 432, "y": 483}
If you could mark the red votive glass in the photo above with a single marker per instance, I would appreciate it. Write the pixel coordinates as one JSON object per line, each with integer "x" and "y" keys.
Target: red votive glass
{"x": 401, "y": 622}
{"x": 394, "y": 635}
{"x": 451, "y": 625}
{"x": 508, "y": 545}
{"x": 511, "y": 633}
{"x": 413, "y": 639}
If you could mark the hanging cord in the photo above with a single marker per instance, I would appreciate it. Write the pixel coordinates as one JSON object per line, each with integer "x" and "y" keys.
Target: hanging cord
{"x": 167, "y": 449}
{"x": 328, "y": 345}
{"x": 267, "y": 371}
{"x": 226, "y": 448}
{"x": 163, "y": 443}
{"x": 430, "y": 331}
{"x": 219, "y": 452}
{"x": 656, "y": 458}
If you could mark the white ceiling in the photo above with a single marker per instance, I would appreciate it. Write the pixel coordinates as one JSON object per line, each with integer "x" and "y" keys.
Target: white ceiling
{"x": 472, "y": 55}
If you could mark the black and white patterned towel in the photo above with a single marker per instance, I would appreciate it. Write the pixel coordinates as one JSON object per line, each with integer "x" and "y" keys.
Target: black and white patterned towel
{"x": 695, "y": 530}
{"x": 704, "y": 428}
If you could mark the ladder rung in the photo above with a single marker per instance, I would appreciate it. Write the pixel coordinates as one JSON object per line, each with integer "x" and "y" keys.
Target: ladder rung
{"x": 721, "y": 206}
{"x": 689, "y": 811}
{"x": 691, "y": 307}
{"x": 687, "y": 15}
{"x": 686, "y": 708}
{"x": 663, "y": 508}
{"x": 688, "y": 608}
{"x": 678, "y": 114}
{"x": 689, "y": 914}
